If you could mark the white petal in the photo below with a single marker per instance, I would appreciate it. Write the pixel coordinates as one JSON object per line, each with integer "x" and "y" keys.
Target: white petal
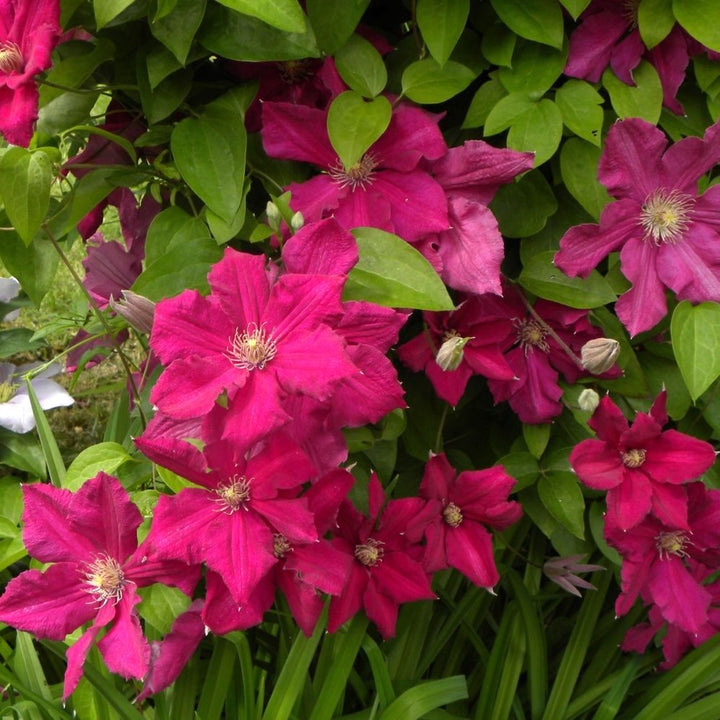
{"x": 16, "y": 414}
{"x": 50, "y": 394}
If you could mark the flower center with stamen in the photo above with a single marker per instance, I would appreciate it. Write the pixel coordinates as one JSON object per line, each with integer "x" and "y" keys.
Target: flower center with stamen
{"x": 630, "y": 11}
{"x": 7, "y": 390}
{"x": 105, "y": 580}
{"x": 531, "y": 334}
{"x": 451, "y": 352}
{"x": 233, "y": 494}
{"x": 452, "y": 514}
{"x": 633, "y": 458}
{"x": 665, "y": 215}
{"x": 672, "y": 543}
{"x": 281, "y": 545}
{"x": 11, "y": 59}
{"x": 359, "y": 175}
{"x": 293, "y": 72}
{"x": 371, "y": 553}
{"x": 251, "y": 349}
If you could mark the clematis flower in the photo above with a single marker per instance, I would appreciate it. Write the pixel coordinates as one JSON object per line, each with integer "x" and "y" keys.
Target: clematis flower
{"x": 535, "y": 356}
{"x": 461, "y": 508}
{"x": 229, "y": 521}
{"x": 259, "y": 338}
{"x": 608, "y": 35}
{"x": 667, "y": 234}
{"x": 564, "y": 571}
{"x": 90, "y": 537}
{"x": 29, "y": 30}
{"x": 666, "y": 564}
{"x": 471, "y": 250}
{"x": 386, "y": 571}
{"x": 642, "y": 468}
{"x": 9, "y": 290}
{"x": 458, "y": 344}
{"x": 15, "y": 409}
{"x": 387, "y": 188}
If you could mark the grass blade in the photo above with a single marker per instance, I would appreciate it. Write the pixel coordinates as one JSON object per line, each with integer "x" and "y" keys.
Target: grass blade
{"x": 50, "y": 449}
{"x": 421, "y": 699}
{"x": 218, "y": 677}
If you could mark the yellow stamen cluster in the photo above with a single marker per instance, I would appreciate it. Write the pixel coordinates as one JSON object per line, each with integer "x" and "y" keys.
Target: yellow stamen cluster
{"x": 105, "y": 580}
{"x": 252, "y": 348}
{"x": 233, "y": 494}
{"x": 531, "y": 334}
{"x": 11, "y": 59}
{"x": 358, "y": 175}
{"x": 633, "y": 458}
{"x": 281, "y": 546}
{"x": 452, "y": 514}
{"x": 665, "y": 215}
{"x": 370, "y": 553}
{"x": 672, "y": 543}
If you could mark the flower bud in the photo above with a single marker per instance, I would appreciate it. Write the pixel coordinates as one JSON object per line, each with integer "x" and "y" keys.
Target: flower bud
{"x": 274, "y": 217}
{"x": 297, "y": 221}
{"x": 138, "y": 310}
{"x": 450, "y": 354}
{"x": 599, "y": 355}
{"x": 588, "y": 400}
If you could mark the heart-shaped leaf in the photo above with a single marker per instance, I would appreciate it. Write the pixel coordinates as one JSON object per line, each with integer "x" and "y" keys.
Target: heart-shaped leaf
{"x": 355, "y": 124}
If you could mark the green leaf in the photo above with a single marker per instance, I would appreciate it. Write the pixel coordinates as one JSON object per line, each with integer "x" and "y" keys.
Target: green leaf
{"x": 361, "y": 66}
{"x": 17, "y": 340}
{"x": 172, "y": 480}
{"x": 22, "y": 452}
{"x": 33, "y": 266}
{"x": 286, "y": 15}
{"x": 107, "y": 10}
{"x": 523, "y": 466}
{"x": 393, "y": 273}
{"x": 542, "y": 278}
{"x": 50, "y": 449}
{"x": 644, "y": 100}
{"x": 419, "y": 700}
{"x": 536, "y": 438}
{"x": 534, "y": 70}
{"x": 176, "y": 29}
{"x": 209, "y": 152}
{"x": 701, "y": 18}
{"x": 575, "y": 7}
{"x": 578, "y": 166}
{"x": 427, "y": 83}
{"x": 178, "y": 254}
{"x": 334, "y": 21}
{"x": 562, "y": 497}
{"x": 25, "y": 179}
{"x": 507, "y": 111}
{"x": 581, "y": 108}
{"x": 235, "y": 36}
{"x": 355, "y": 124}
{"x": 106, "y": 457}
{"x": 163, "y": 99}
{"x": 655, "y": 21}
{"x": 498, "y": 45}
{"x": 539, "y": 20}
{"x": 695, "y": 333}
{"x": 441, "y": 23}
{"x": 531, "y": 193}
{"x": 28, "y": 667}
{"x": 538, "y": 130}
{"x": 487, "y": 96}
{"x": 161, "y": 605}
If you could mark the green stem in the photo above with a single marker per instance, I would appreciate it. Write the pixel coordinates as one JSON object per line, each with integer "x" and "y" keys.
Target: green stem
{"x": 103, "y": 321}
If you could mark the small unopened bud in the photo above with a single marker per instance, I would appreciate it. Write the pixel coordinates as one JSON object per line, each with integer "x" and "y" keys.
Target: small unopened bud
{"x": 599, "y": 355}
{"x": 138, "y": 310}
{"x": 588, "y": 400}
{"x": 297, "y": 221}
{"x": 563, "y": 571}
{"x": 450, "y": 354}
{"x": 274, "y": 217}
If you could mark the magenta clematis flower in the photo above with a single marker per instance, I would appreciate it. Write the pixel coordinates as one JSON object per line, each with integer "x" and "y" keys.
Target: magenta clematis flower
{"x": 387, "y": 188}
{"x": 258, "y": 337}
{"x": 461, "y": 509}
{"x": 90, "y": 537}
{"x": 229, "y": 521}
{"x": 642, "y": 467}
{"x": 668, "y": 236}
{"x": 387, "y": 570}
{"x": 534, "y": 355}
{"x": 458, "y": 344}
{"x": 665, "y": 564}
{"x": 29, "y": 30}
{"x": 608, "y": 35}
{"x": 472, "y": 249}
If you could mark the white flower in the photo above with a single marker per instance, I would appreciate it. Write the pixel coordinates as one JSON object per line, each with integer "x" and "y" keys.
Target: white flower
{"x": 15, "y": 409}
{"x": 9, "y": 289}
